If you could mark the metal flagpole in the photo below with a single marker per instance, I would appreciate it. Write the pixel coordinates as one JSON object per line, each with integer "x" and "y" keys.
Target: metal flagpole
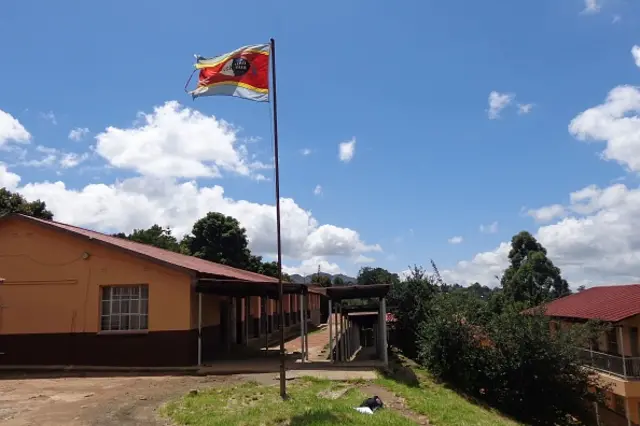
{"x": 283, "y": 384}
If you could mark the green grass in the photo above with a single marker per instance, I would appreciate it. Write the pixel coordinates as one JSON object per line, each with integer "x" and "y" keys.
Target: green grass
{"x": 252, "y": 404}
{"x": 441, "y": 405}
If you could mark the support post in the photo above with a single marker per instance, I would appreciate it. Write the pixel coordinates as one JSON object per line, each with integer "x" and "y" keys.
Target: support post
{"x": 306, "y": 327}
{"x": 199, "y": 329}
{"x": 247, "y": 318}
{"x": 330, "y": 331}
{"x": 300, "y": 306}
{"x": 383, "y": 312}
{"x": 336, "y": 320}
{"x": 624, "y": 363}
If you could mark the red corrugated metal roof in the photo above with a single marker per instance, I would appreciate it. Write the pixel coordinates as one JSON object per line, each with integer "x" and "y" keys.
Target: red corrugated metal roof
{"x": 175, "y": 259}
{"x": 606, "y": 303}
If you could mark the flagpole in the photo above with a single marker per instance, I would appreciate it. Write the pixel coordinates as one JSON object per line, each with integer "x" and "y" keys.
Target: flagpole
{"x": 283, "y": 384}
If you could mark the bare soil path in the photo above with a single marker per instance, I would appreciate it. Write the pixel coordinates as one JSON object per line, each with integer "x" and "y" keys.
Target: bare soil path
{"x": 94, "y": 401}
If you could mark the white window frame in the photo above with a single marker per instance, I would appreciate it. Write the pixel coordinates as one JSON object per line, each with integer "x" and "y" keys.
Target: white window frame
{"x": 131, "y": 302}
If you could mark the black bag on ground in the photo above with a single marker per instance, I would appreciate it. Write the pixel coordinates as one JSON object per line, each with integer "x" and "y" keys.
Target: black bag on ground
{"x": 372, "y": 403}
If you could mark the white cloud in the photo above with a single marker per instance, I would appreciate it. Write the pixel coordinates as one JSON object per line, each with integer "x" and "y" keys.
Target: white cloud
{"x": 142, "y": 201}
{"x": 71, "y": 159}
{"x": 489, "y": 229}
{"x": 547, "y": 213}
{"x": 53, "y": 156}
{"x": 591, "y": 6}
{"x": 8, "y": 179}
{"x": 11, "y": 130}
{"x": 49, "y": 116}
{"x": 305, "y": 151}
{"x": 635, "y": 51}
{"x": 78, "y": 133}
{"x": 347, "y": 150}
{"x": 616, "y": 122}
{"x": 455, "y": 240}
{"x": 362, "y": 259}
{"x": 174, "y": 141}
{"x": 616, "y": 19}
{"x": 498, "y": 102}
{"x": 524, "y": 108}
{"x": 310, "y": 266}
{"x": 317, "y": 190}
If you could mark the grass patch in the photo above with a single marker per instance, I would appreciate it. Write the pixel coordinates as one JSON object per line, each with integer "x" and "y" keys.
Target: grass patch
{"x": 440, "y": 404}
{"x": 252, "y": 404}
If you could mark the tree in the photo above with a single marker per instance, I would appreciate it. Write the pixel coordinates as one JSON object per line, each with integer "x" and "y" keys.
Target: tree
{"x": 12, "y": 202}
{"x": 369, "y": 275}
{"x": 322, "y": 280}
{"x": 221, "y": 239}
{"x": 338, "y": 281}
{"x": 581, "y": 288}
{"x": 156, "y": 236}
{"x": 531, "y": 277}
{"x": 509, "y": 360}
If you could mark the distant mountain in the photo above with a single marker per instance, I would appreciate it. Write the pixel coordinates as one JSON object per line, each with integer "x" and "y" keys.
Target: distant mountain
{"x": 297, "y": 278}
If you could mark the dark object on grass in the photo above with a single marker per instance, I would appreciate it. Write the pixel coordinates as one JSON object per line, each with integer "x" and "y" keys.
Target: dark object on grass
{"x": 372, "y": 403}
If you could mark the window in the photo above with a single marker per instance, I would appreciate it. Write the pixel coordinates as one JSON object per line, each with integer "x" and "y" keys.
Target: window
{"x": 124, "y": 308}
{"x": 618, "y": 404}
{"x": 612, "y": 341}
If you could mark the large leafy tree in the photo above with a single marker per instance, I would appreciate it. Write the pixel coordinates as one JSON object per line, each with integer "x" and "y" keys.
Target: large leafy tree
{"x": 220, "y": 238}
{"x": 156, "y": 236}
{"x": 12, "y": 202}
{"x": 531, "y": 277}
{"x": 368, "y": 275}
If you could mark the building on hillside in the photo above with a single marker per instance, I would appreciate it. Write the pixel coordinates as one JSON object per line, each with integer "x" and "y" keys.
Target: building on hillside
{"x": 72, "y": 296}
{"x": 616, "y": 354}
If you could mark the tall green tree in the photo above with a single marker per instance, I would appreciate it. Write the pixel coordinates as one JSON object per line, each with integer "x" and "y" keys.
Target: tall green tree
{"x": 531, "y": 277}
{"x": 156, "y": 236}
{"x": 368, "y": 275}
{"x": 323, "y": 280}
{"x": 220, "y": 238}
{"x": 338, "y": 281}
{"x": 12, "y": 202}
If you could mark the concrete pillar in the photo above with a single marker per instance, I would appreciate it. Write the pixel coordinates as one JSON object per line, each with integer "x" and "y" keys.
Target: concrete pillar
{"x": 302, "y": 331}
{"x": 330, "y": 331}
{"x": 383, "y": 312}
{"x": 336, "y": 320}
{"x": 247, "y": 319}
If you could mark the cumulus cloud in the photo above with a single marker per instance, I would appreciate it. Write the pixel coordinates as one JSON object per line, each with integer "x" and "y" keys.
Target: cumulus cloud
{"x": 347, "y": 150}
{"x": 305, "y": 151}
{"x": 175, "y": 141}
{"x": 50, "y": 157}
{"x": 547, "y": 213}
{"x": 78, "y": 133}
{"x": 317, "y": 190}
{"x": 7, "y": 179}
{"x": 310, "y": 266}
{"x": 498, "y": 102}
{"x": 11, "y": 130}
{"x": 635, "y": 51}
{"x": 362, "y": 259}
{"x": 455, "y": 240}
{"x": 142, "y": 201}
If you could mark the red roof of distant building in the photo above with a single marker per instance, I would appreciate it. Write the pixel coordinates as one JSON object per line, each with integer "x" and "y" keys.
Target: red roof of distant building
{"x": 164, "y": 256}
{"x": 606, "y": 303}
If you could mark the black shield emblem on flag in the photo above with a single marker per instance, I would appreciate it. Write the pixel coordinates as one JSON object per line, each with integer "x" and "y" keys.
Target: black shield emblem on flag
{"x": 240, "y": 66}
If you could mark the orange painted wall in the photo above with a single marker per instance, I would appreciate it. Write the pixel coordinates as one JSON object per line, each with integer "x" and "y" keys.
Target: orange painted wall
{"x": 49, "y": 288}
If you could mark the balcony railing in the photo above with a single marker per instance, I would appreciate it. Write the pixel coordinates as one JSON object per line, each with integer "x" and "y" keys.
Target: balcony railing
{"x": 627, "y": 367}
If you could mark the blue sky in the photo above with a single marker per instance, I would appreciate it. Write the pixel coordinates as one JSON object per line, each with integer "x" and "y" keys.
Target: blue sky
{"x": 410, "y": 82}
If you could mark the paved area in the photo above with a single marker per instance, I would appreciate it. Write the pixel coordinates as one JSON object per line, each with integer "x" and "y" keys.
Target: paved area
{"x": 93, "y": 401}
{"x": 317, "y": 341}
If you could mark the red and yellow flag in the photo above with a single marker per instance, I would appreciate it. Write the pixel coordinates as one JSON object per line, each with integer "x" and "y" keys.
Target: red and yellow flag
{"x": 243, "y": 73}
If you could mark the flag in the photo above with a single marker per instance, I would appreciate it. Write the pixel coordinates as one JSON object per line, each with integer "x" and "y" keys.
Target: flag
{"x": 243, "y": 73}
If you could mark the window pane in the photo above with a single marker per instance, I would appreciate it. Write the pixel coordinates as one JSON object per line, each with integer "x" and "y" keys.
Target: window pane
{"x": 106, "y": 308}
{"x": 124, "y": 306}
{"x": 135, "y": 322}
{"x": 115, "y": 322}
{"x": 144, "y": 322}
{"x": 124, "y": 322}
{"x": 135, "y": 292}
{"x": 135, "y": 306}
{"x": 115, "y": 306}
{"x": 144, "y": 306}
{"x": 104, "y": 322}
{"x": 106, "y": 293}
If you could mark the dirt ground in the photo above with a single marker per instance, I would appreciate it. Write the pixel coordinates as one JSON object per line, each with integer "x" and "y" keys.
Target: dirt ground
{"x": 96, "y": 401}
